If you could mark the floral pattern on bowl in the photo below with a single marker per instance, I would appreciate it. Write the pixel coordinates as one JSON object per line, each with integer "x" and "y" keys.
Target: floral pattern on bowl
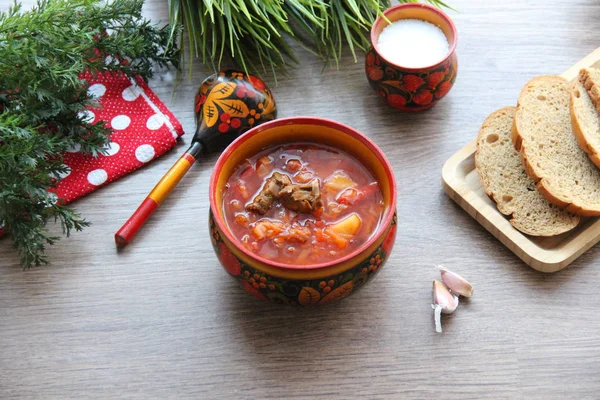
{"x": 302, "y": 292}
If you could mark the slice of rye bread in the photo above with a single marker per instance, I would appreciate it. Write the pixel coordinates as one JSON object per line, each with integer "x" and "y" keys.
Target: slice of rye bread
{"x": 506, "y": 182}
{"x": 585, "y": 121}
{"x": 543, "y": 134}
{"x": 590, "y": 78}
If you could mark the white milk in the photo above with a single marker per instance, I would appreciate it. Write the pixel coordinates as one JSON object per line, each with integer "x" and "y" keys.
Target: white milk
{"x": 413, "y": 43}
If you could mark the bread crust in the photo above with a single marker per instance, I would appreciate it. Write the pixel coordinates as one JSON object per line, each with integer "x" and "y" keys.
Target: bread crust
{"x": 582, "y": 138}
{"x": 496, "y": 197}
{"x": 586, "y": 77}
{"x": 541, "y": 182}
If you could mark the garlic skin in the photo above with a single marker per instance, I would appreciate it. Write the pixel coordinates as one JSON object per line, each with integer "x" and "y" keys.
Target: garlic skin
{"x": 443, "y": 298}
{"x": 456, "y": 283}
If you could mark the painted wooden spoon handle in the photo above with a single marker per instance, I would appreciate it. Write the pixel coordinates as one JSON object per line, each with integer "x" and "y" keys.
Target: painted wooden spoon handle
{"x": 157, "y": 196}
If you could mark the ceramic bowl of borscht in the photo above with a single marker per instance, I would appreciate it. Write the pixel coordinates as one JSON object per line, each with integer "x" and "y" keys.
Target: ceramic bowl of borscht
{"x": 302, "y": 211}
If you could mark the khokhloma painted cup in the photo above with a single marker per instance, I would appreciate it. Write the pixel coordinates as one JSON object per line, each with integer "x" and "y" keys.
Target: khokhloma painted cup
{"x": 412, "y": 89}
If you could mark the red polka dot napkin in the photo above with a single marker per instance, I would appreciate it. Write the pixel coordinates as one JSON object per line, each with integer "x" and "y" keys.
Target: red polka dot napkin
{"x": 143, "y": 129}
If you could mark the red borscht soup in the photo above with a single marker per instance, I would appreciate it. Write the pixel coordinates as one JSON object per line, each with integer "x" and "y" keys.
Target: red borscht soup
{"x": 302, "y": 204}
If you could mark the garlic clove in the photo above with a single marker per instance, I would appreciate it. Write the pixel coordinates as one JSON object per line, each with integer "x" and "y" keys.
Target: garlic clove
{"x": 456, "y": 283}
{"x": 443, "y": 298}
{"x": 443, "y": 302}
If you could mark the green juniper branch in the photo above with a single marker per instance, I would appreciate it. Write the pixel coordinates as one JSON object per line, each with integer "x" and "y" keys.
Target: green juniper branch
{"x": 42, "y": 53}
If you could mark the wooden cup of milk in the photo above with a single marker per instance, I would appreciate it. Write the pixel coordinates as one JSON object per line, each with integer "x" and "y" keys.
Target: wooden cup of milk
{"x": 412, "y": 63}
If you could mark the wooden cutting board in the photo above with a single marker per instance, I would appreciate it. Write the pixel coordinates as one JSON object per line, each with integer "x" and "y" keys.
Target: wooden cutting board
{"x": 546, "y": 254}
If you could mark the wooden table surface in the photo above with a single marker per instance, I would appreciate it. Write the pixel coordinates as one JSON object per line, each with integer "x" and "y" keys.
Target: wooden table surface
{"x": 162, "y": 319}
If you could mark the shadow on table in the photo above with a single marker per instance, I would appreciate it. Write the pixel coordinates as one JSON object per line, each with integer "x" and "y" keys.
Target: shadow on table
{"x": 274, "y": 332}
{"x": 495, "y": 252}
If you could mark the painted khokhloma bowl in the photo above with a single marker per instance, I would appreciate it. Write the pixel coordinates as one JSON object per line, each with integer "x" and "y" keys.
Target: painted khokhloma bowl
{"x": 303, "y": 285}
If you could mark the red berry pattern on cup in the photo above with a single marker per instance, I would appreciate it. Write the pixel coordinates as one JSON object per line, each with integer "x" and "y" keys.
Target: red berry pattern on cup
{"x": 407, "y": 89}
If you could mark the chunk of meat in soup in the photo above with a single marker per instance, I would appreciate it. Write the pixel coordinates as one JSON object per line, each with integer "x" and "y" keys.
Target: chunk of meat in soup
{"x": 269, "y": 193}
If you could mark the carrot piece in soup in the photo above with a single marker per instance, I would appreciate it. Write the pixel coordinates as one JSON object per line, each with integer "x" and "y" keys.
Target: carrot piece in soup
{"x": 321, "y": 236}
{"x": 293, "y": 165}
{"x": 266, "y": 229}
{"x": 336, "y": 238}
{"x": 241, "y": 219}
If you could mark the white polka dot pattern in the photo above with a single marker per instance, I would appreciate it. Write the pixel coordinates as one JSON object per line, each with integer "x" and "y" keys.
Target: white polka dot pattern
{"x": 131, "y": 93}
{"x": 124, "y": 105}
{"x": 97, "y": 90}
{"x": 111, "y": 149}
{"x": 120, "y": 122}
{"x": 97, "y": 177}
{"x": 155, "y": 122}
{"x": 144, "y": 153}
